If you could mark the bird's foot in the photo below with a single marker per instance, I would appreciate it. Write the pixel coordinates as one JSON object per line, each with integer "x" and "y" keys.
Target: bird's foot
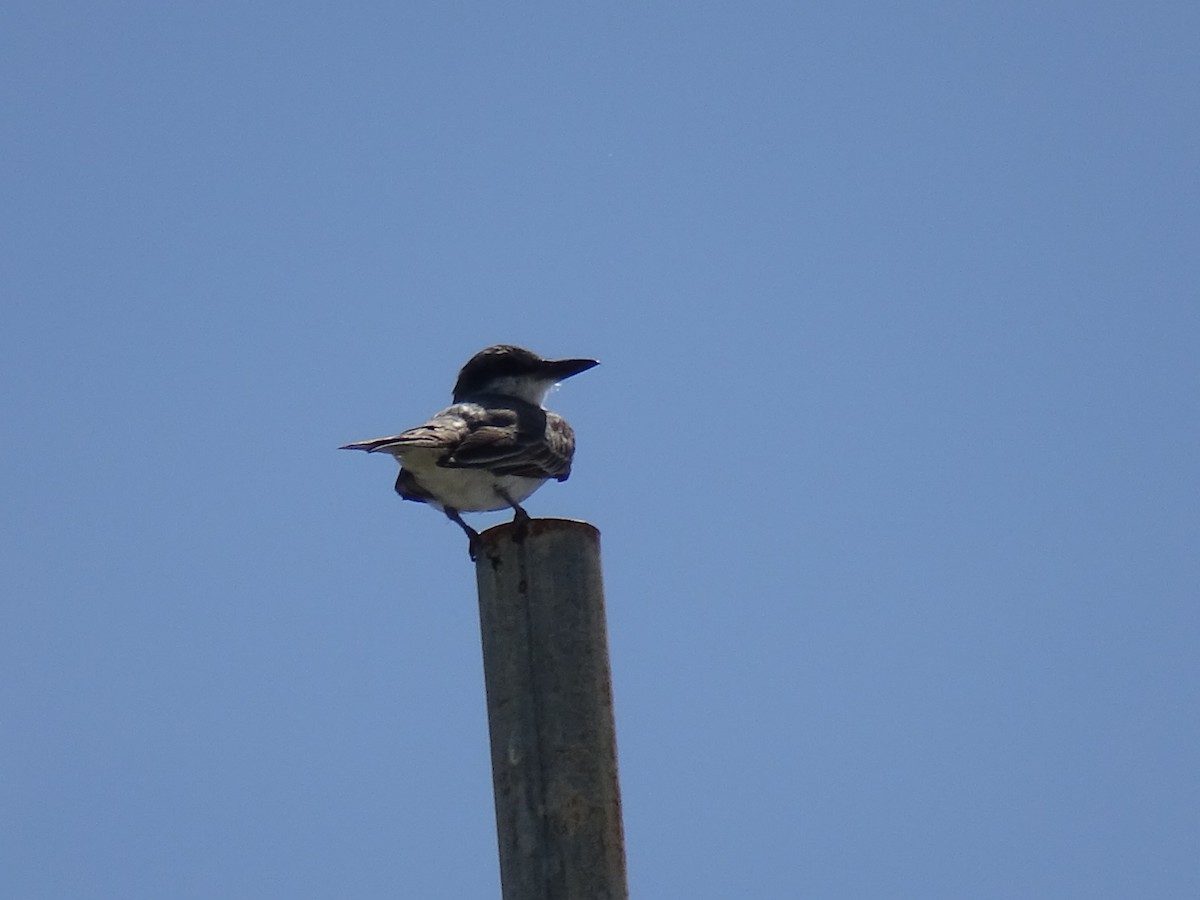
{"x": 520, "y": 517}
{"x": 473, "y": 542}
{"x": 521, "y": 524}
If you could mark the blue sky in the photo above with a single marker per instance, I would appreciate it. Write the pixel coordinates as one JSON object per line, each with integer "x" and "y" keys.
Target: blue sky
{"x": 893, "y": 447}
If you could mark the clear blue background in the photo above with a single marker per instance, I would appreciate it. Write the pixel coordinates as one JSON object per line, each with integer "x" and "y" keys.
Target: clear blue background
{"x": 894, "y": 446}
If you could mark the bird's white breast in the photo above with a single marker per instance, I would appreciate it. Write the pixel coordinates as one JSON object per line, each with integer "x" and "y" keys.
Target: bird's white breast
{"x": 467, "y": 490}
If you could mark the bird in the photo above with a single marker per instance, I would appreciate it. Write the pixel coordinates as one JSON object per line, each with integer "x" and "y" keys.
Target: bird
{"x": 494, "y": 446}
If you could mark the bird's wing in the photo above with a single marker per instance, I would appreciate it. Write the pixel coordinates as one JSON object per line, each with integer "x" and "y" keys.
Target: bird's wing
{"x": 502, "y": 436}
{"x": 516, "y": 440}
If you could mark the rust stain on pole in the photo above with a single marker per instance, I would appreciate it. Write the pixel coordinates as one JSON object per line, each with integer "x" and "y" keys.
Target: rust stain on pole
{"x": 550, "y": 712}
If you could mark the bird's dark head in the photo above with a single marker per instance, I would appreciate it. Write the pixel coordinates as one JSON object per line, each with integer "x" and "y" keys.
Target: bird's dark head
{"x": 515, "y": 372}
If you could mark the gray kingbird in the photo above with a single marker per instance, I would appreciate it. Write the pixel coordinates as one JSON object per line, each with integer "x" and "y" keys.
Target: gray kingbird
{"x": 495, "y": 445}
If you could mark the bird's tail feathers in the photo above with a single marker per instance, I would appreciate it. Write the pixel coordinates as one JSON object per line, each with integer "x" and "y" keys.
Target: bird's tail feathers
{"x": 406, "y": 441}
{"x": 370, "y": 446}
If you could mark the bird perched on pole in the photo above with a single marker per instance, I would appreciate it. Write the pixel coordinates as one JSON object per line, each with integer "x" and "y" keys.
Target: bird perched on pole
{"x": 494, "y": 446}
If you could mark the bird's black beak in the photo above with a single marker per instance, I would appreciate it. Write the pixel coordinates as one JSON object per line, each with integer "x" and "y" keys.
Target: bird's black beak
{"x": 563, "y": 369}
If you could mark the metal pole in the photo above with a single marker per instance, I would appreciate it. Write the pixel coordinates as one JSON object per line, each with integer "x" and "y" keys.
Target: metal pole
{"x": 550, "y": 712}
